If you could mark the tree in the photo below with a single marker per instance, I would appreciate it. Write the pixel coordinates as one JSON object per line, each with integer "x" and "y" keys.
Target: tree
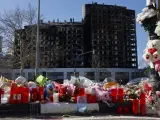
{"x": 12, "y": 29}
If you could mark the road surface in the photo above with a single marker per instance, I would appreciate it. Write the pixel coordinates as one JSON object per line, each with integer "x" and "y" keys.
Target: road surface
{"x": 95, "y": 117}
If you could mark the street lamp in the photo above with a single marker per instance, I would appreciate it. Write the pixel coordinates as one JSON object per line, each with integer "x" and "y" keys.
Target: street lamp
{"x": 93, "y": 51}
{"x": 37, "y": 41}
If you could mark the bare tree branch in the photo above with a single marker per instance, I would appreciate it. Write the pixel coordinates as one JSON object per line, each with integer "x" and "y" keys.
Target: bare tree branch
{"x": 12, "y": 29}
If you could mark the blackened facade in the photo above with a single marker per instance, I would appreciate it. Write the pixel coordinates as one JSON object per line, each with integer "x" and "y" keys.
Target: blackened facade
{"x": 60, "y": 44}
{"x": 108, "y": 29}
{"x": 111, "y": 31}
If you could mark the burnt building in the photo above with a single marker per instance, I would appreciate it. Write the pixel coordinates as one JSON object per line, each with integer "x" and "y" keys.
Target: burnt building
{"x": 70, "y": 34}
{"x": 107, "y": 29}
{"x": 111, "y": 31}
{"x": 60, "y": 44}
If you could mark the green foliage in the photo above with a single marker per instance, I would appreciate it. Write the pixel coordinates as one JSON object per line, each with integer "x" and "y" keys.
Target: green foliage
{"x": 148, "y": 27}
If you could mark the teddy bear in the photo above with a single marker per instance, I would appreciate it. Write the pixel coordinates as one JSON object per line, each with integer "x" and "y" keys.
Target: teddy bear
{"x": 152, "y": 56}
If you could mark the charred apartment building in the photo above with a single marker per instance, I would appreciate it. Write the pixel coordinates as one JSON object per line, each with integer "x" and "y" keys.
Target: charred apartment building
{"x": 111, "y": 31}
{"x": 60, "y": 43}
{"x": 108, "y": 29}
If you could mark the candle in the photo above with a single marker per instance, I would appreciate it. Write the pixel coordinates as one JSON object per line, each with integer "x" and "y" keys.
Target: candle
{"x": 56, "y": 97}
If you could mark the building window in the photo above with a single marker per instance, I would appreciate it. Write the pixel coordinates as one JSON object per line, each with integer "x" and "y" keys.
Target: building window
{"x": 134, "y": 59}
{"x": 134, "y": 64}
{"x": 134, "y": 54}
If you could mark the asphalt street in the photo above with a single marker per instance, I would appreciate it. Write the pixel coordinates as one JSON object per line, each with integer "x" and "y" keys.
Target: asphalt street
{"x": 96, "y": 117}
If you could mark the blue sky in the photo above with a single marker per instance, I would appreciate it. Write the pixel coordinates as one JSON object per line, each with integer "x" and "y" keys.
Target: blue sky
{"x": 66, "y": 9}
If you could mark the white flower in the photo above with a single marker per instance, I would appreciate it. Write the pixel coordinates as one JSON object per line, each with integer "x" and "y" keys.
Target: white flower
{"x": 152, "y": 13}
{"x": 145, "y": 9}
{"x": 146, "y": 13}
{"x": 139, "y": 17}
{"x": 157, "y": 30}
{"x": 158, "y": 23}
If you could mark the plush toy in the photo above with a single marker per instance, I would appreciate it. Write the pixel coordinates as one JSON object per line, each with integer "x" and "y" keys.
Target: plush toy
{"x": 152, "y": 56}
{"x": 20, "y": 81}
{"x": 48, "y": 91}
{"x": 102, "y": 95}
{"x": 152, "y": 53}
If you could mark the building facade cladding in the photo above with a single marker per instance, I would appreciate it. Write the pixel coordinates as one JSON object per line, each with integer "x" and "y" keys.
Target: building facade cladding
{"x": 110, "y": 30}
{"x": 60, "y": 44}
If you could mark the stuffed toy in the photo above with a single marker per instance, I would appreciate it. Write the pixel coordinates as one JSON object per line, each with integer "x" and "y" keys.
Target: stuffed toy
{"x": 152, "y": 56}
{"x": 48, "y": 91}
{"x": 20, "y": 81}
{"x": 102, "y": 95}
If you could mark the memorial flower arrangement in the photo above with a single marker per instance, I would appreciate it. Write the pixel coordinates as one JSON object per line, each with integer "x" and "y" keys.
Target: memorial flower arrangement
{"x": 132, "y": 92}
{"x": 147, "y": 19}
{"x": 157, "y": 30}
